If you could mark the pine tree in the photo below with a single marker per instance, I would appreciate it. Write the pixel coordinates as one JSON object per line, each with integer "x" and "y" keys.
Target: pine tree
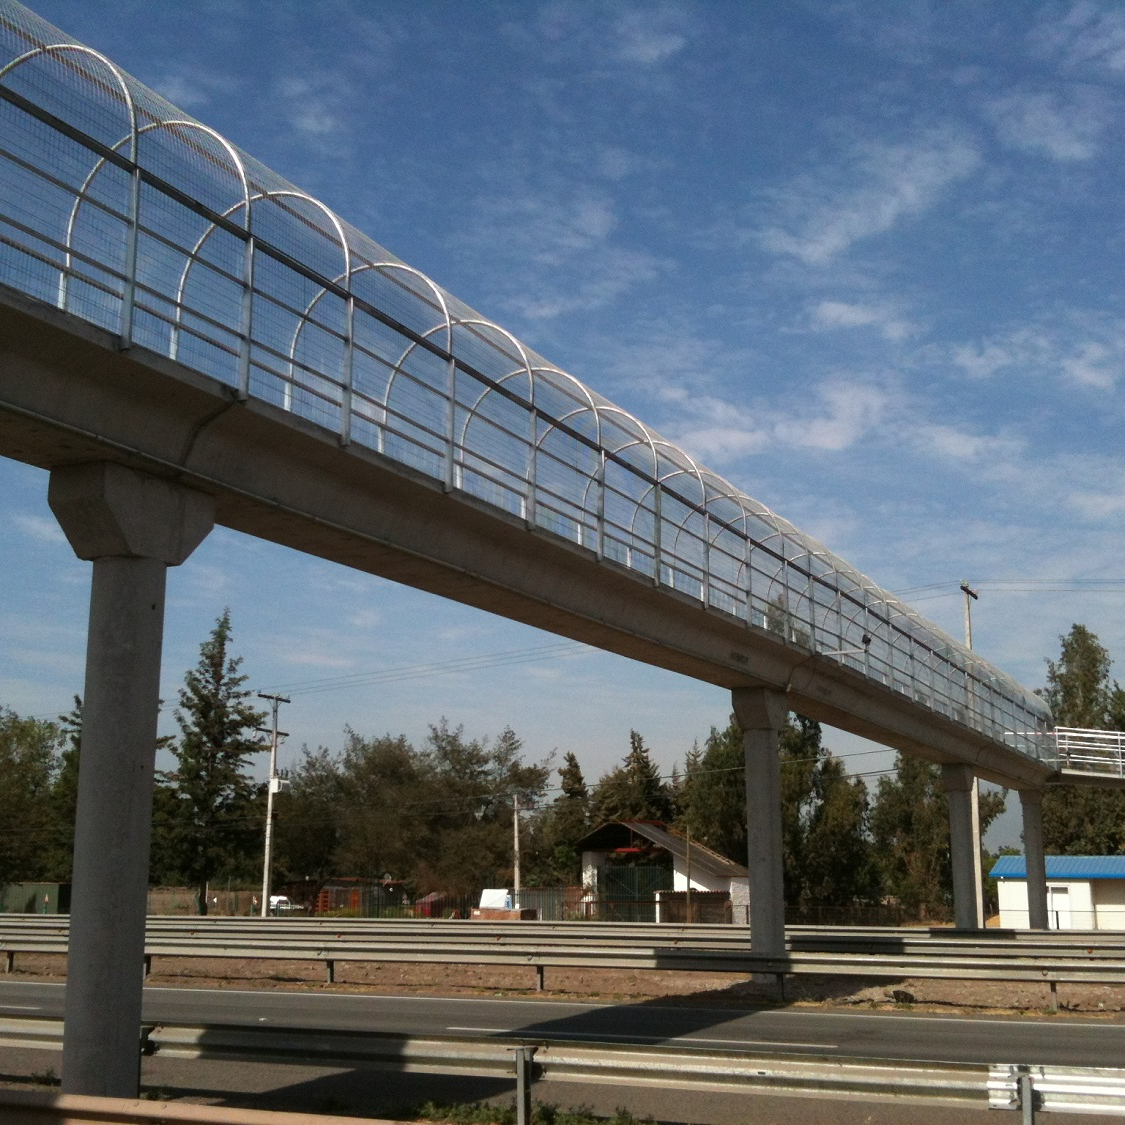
{"x": 212, "y": 825}
{"x": 633, "y": 791}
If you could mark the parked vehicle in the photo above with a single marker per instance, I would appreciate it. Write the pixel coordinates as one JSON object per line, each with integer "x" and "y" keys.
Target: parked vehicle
{"x": 283, "y": 904}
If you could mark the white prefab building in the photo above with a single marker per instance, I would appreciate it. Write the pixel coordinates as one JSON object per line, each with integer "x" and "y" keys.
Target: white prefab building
{"x": 1084, "y": 892}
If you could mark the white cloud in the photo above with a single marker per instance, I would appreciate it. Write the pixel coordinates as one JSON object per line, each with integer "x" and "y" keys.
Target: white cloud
{"x": 43, "y": 528}
{"x": 888, "y": 183}
{"x": 1094, "y": 365}
{"x": 1090, "y": 35}
{"x": 850, "y": 410}
{"x": 1077, "y": 348}
{"x": 999, "y": 451}
{"x": 1064, "y": 129}
{"x": 841, "y": 314}
{"x": 648, "y": 36}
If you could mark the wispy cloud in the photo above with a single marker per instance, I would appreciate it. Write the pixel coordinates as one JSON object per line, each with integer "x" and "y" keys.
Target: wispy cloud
{"x": 1077, "y": 348}
{"x": 649, "y": 35}
{"x": 42, "y": 528}
{"x": 1064, "y": 128}
{"x": 567, "y": 239}
{"x": 844, "y": 314}
{"x": 823, "y": 215}
{"x": 847, "y": 411}
{"x": 1090, "y": 35}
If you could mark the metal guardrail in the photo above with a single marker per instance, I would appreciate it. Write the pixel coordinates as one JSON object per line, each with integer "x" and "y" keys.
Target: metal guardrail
{"x": 723, "y": 949}
{"x": 999, "y": 1086}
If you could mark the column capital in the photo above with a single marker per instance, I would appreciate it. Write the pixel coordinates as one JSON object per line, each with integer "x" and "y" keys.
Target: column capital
{"x": 957, "y": 776}
{"x": 108, "y": 510}
{"x": 760, "y": 708}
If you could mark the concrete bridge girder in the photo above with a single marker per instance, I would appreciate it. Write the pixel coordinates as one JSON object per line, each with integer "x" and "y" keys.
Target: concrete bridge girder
{"x": 278, "y": 477}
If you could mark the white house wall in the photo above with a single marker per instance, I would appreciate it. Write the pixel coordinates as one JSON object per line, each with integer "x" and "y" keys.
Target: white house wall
{"x": 1070, "y": 904}
{"x": 1109, "y": 903}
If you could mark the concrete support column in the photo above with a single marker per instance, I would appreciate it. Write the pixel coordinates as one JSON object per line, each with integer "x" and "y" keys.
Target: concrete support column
{"x": 762, "y": 713}
{"x": 968, "y": 909}
{"x": 132, "y": 527}
{"x": 1031, "y": 801}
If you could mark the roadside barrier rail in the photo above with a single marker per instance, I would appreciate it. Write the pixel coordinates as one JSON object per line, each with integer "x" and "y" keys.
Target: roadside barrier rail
{"x": 1074, "y": 959}
{"x": 527, "y": 1060}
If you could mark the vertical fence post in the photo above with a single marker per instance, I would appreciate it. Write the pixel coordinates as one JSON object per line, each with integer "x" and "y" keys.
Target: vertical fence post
{"x": 247, "y": 322}
{"x": 129, "y": 290}
{"x": 524, "y": 1057}
{"x": 349, "y": 363}
{"x": 1027, "y": 1099}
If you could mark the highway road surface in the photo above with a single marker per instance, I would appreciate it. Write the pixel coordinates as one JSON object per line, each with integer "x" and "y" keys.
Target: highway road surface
{"x": 1057, "y": 1040}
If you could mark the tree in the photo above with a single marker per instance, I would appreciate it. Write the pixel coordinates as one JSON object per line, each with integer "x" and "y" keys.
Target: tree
{"x": 633, "y": 791}
{"x": 714, "y": 793}
{"x": 1079, "y": 819}
{"x": 910, "y": 832}
{"x": 28, "y": 766}
{"x": 57, "y": 863}
{"x": 552, "y": 855}
{"x": 212, "y": 823}
{"x": 469, "y": 838}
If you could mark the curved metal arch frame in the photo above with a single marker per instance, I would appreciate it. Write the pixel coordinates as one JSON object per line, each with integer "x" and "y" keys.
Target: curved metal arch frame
{"x": 123, "y": 81}
{"x": 905, "y": 639}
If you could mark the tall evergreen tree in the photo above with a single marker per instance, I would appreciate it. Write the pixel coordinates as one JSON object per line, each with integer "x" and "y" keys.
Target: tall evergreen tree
{"x": 633, "y": 791}
{"x": 212, "y": 827}
{"x": 714, "y": 793}
{"x": 1079, "y": 819}
{"x": 552, "y": 855}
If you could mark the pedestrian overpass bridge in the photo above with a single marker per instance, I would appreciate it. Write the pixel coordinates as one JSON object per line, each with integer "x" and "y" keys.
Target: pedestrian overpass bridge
{"x": 185, "y": 337}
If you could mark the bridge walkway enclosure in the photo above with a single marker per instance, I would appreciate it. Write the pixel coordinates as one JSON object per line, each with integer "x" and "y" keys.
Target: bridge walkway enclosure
{"x": 185, "y": 337}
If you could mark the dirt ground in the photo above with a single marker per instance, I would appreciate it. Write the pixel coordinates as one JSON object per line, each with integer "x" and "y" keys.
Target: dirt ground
{"x": 612, "y": 985}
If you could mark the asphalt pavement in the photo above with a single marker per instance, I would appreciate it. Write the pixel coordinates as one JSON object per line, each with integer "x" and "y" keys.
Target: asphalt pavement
{"x": 1057, "y": 1040}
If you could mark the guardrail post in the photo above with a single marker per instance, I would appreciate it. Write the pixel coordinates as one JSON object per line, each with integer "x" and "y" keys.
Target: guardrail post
{"x": 1027, "y": 1099}
{"x": 9, "y": 961}
{"x": 148, "y": 965}
{"x": 538, "y": 978}
{"x": 1054, "y": 995}
{"x": 524, "y": 1057}
{"x": 330, "y": 971}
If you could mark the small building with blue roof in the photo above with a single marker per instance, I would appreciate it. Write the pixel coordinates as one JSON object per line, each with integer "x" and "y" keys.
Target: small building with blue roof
{"x": 1084, "y": 892}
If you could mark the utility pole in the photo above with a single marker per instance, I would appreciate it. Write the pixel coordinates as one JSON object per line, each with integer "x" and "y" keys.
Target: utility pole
{"x": 971, "y": 596}
{"x": 276, "y": 785}
{"x": 516, "y": 850}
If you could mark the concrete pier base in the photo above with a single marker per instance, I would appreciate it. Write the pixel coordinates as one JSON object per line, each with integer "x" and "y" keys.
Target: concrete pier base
{"x": 968, "y": 908}
{"x": 762, "y": 713}
{"x": 1031, "y": 802}
{"x": 133, "y": 527}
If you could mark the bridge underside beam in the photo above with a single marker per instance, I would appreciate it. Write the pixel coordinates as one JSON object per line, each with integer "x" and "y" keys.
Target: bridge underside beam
{"x": 68, "y": 395}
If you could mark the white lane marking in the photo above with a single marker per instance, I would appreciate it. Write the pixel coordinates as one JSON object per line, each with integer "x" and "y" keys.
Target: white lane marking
{"x": 688, "y": 1039}
{"x": 326, "y": 997}
{"x": 21, "y": 1007}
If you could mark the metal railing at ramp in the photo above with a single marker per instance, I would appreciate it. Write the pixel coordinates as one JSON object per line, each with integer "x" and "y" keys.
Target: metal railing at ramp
{"x": 1097, "y": 752}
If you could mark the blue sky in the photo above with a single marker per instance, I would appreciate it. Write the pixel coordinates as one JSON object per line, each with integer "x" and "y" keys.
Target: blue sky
{"x": 863, "y": 259}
